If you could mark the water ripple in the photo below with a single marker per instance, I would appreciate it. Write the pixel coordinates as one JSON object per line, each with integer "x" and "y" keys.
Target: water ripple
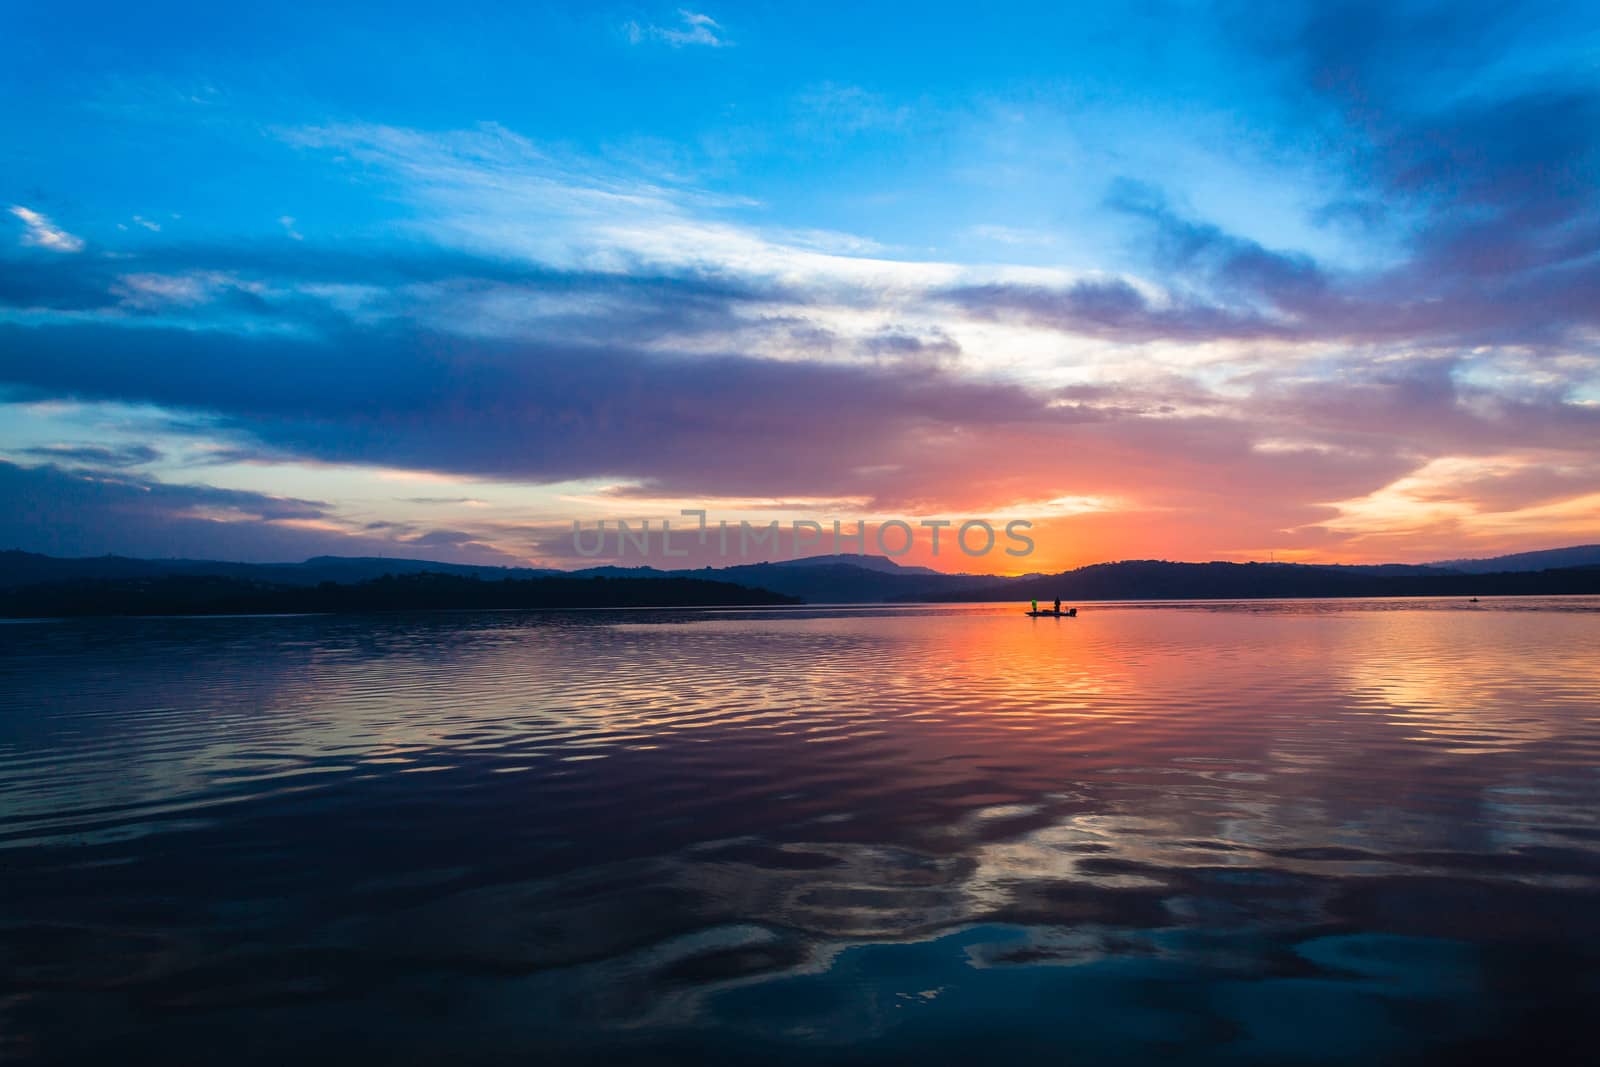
{"x": 663, "y": 834}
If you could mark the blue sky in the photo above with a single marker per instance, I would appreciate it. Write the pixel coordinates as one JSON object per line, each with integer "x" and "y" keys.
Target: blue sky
{"x": 930, "y": 131}
{"x": 1174, "y": 279}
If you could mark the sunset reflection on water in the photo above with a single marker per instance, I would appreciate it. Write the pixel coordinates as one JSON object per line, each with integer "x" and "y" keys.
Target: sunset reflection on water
{"x": 1286, "y": 831}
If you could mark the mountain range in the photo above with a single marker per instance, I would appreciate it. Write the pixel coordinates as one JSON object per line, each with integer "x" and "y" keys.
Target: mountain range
{"x": 1575, "y": 556}
{"x": 839, "y": 579}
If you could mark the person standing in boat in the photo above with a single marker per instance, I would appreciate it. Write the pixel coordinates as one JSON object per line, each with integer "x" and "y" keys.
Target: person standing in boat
{"x": 1036, "y": 607}
{"x": 1058, "y": 605}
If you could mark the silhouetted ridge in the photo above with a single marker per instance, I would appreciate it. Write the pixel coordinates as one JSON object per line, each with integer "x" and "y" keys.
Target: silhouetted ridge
{"x": 1547, "y": 559}
{"x": 857, "y": 579}
{"x": 217, "y": 595}
{"x": 29, "y": 568}
{"x": 1160, "y": 580}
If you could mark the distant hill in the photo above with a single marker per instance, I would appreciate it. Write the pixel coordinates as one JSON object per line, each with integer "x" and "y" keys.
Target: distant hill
{"x": 362, "y": 568}
{"x": 30, "y": 568}
{"x": 209, "y": 594}
{"x": 844, "y": 578}
{"x": 849, "y": 583}
{"x": 882, "y": 564}
{"x": 1576, "y": 556}
{"x": 1161, "y": 580}
{"x": 850, "y": 579}
{"x": 840, "y": 579}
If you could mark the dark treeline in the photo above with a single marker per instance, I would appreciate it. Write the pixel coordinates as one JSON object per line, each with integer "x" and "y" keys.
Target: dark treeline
{"x": 1158, "y": 580}
{"x": 217, "y": 595}
{"x": 130, "y": 587}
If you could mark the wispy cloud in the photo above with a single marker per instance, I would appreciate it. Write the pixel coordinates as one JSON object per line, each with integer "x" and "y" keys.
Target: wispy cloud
{"x": 134, "y": 455}
{"x": 1011, "y": 235}
{"x": 40, "y": 232}
{"x": 694, "y": 29}
{"x": 835, "y": 110}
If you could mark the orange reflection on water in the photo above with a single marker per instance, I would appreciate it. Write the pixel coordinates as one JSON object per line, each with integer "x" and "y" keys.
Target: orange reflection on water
{"x": 643, "y": 814}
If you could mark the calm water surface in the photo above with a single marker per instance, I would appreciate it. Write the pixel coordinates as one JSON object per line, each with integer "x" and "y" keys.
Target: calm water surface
{"x": 1276, "y": 832}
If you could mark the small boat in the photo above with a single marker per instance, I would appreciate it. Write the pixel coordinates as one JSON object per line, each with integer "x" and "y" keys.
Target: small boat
{"x": 1069, "y": 613}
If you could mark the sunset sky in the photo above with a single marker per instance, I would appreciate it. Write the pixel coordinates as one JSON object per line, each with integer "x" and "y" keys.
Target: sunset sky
{"x": 433, "y": 280}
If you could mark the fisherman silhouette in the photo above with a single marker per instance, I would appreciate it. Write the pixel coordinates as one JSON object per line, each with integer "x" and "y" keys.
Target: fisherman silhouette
{"x": 1058, "y": 605}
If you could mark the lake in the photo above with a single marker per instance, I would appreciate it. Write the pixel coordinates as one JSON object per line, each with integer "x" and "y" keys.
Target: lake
{"x": 1262, "y": 832}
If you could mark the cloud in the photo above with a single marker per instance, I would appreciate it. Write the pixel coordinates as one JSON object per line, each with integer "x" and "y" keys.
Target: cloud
{"x": 831, "y": 111}
{"x": 693, "y": 29}
{"x": 711, "y": 381}
{"x": 1490, "y": 173}
{"x": 40, "y": 232}
{"x": 532, "y": 411}
{"x": 1113, "y": 308}
{"x": 94, "y": 512}
{"x": 1011, "y": 235}
{"x": 90, "y": 513}
{"x": 1483, "y": 178}
{"x": 537, "y": 316}
{"x": 920, "y": 440}
{"x": 328, "y": 288}
{"x": 1466, "y": 284}
{"x": 443, "y": 538}
{"x": 96, "y": 455}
